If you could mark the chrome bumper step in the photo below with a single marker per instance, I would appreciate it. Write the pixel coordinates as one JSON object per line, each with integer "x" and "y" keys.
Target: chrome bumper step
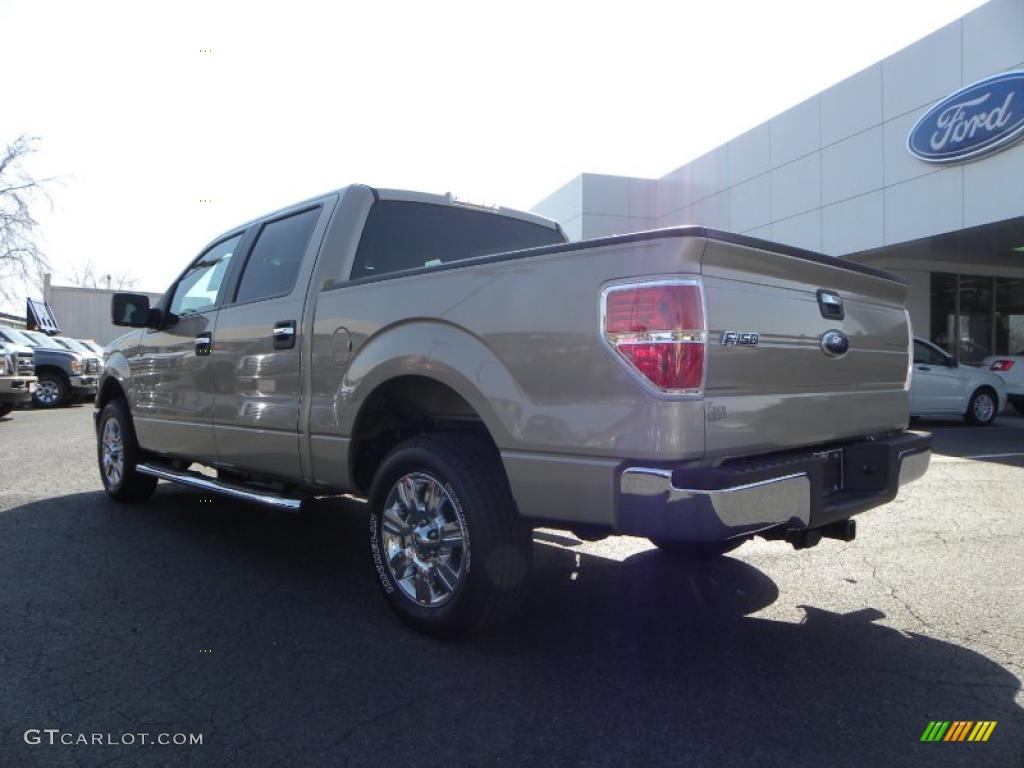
{"x": 212, "y": 485}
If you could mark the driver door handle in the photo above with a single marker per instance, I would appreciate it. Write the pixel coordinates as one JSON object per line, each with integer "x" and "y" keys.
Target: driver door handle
{"x": 923, "y": 368}
{"x": 284, "y": 334}
{"x": 204, "y": 343}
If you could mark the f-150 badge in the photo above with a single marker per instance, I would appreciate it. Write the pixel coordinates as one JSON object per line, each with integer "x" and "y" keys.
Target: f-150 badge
{"x": 740, "y": 338}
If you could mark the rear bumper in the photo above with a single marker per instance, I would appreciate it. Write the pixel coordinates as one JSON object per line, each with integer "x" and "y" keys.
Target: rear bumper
{"x": 801, "y": 490}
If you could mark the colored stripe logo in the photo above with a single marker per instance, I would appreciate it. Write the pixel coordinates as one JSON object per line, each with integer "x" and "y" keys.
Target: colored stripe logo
{"x": 958, "y": 730}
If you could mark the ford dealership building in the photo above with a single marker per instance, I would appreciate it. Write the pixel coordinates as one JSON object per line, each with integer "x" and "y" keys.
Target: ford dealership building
{"x": 914, "y": 165}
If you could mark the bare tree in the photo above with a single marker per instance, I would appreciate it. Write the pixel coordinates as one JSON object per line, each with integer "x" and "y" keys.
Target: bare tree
{"x": 22, "y": 261}
{"x": 88, "y": 276}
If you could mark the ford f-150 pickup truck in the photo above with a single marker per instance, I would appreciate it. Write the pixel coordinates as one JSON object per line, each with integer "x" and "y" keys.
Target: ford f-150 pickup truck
{"x": 474, "y": 375}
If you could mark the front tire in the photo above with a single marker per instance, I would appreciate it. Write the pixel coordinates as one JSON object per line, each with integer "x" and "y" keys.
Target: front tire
{"x": 1018, "y": 404}
{"x": 685, "y": 550}
{"x": 447, "y": 544}
{"x": 982, "y": 408}
{"x": 5, "y": 409}
{"x": 118, "y": 453}
{"x": 51, "y": 391}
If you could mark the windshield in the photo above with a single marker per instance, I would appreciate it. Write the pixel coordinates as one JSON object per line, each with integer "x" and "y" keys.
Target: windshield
{"x": 17, "y": 337}
{"x": 73, "y": 344}
{"x": 42, "y": 340}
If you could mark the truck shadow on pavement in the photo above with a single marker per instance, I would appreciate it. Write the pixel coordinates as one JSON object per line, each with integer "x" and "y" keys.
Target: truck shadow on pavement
{"x": 265, "y": 633}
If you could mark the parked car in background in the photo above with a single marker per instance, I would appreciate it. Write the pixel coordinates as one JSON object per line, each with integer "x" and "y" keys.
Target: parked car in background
{"x": 940, "y": 386}
{"x": 24, "y": 353}
{"x": 1009, "y": 368}
{"x": 77, "y": 345}
{"x": 63, "y": 375}
{"x": 93, "y": 347}
{"x": 16, "y": 386}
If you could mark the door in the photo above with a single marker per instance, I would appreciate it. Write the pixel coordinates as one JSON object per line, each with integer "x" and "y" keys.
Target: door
{"x": 936, "y": 387}
{"x": 171, "y": 371}
{"x": 257, "y": 356}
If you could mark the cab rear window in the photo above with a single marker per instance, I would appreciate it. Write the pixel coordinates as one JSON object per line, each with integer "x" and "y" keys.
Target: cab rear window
{"x": 405, "y": 235}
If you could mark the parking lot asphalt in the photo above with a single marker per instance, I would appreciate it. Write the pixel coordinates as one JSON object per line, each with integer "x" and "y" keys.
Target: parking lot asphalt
{"x": 264, "y": 632}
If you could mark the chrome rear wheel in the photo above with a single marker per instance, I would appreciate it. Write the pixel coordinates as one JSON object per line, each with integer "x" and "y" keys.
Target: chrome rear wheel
{"x": 424, "y": 538}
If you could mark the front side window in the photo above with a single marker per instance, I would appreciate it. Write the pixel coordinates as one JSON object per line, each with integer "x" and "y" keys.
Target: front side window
{"x": 273, "y": 265}
{"x": 405, "y": 235}
{"x": 928, "y": 355}
{"x": 197, "y": 290}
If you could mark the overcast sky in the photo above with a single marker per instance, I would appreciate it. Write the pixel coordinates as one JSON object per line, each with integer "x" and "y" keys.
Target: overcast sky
{"x": 503, "y": 102}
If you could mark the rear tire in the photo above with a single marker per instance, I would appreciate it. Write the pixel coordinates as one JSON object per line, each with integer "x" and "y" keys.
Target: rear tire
{"x": 685, "y": 550}
{"x": 450, "y": 551}
{"x": 982, "y": 408}
{"x": 1018, "y": 404}
{"x": 118, "y": 454}
{"x": 51, "y": 391}
{"x": 5, "y": 409}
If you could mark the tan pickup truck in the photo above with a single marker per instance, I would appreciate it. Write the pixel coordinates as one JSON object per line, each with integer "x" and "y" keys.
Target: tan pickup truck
{"x": 474, "y": 375}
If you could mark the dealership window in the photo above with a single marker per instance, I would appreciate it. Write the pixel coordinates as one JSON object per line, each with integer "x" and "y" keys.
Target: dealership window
{"x": 974, "y": 316}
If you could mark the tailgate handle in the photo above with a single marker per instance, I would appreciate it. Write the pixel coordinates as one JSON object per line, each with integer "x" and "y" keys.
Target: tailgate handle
{"x": 831, "y": 305}
{"x": 284, "y": 334}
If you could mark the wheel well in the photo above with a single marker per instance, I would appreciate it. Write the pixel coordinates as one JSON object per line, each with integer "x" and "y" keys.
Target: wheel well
{"x": 52, "y": 369}
{"x": 402, "y": 408}
{"x": 111, "y": 391}
{"x": 987, "y": 388}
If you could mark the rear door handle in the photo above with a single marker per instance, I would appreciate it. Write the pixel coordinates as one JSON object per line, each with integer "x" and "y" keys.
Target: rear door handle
{"x": 284, "y": 334}
{"x": 204, "y": 343}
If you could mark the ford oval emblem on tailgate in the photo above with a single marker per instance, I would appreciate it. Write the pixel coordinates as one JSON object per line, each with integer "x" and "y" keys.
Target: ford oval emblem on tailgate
{"x": 834, "y": 343}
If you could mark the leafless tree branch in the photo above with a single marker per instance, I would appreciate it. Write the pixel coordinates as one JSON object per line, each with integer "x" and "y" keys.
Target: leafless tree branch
{"x": 22, "y": 261}
{"x": 88, "y": 277}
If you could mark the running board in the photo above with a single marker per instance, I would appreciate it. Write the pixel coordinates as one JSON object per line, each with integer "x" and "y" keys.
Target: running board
{"x": 196, "y": 480}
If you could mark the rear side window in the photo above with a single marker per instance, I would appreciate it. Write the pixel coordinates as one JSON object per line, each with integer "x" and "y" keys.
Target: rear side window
{"x": 274, "y": 263}
{"x": 404, "y": 235}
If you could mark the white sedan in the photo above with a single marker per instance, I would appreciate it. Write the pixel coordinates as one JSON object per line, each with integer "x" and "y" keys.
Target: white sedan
{"x": 1010, "y": 368}
{"x": 939, "y": 386}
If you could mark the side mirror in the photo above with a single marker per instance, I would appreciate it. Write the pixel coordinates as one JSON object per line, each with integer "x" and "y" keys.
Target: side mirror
{"x": 133, "y": 310}
{"x": 951, "y": 362}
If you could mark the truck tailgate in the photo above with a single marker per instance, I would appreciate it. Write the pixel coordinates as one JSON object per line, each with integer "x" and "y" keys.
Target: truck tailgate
{"x": 785, "y": 390}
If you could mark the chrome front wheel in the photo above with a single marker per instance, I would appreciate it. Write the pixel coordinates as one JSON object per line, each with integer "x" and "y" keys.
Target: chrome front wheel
{"x": 424, "y": 540}
{"x": 118, "y": 454}
{"x": 112, "y": 453}
{"x": 50, "y": 391}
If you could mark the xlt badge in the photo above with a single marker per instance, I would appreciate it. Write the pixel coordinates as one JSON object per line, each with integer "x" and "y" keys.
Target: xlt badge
{"x": 740, "y": 338}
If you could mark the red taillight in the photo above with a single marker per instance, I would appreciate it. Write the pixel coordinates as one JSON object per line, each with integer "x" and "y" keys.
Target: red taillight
{"x": 658, "y": 328}
{"x": 1002, "y": 365}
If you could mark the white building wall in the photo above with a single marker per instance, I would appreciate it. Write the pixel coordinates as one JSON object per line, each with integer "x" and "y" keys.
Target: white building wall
{"x": 84, "y": 313}
{"x": 833, "y": 173}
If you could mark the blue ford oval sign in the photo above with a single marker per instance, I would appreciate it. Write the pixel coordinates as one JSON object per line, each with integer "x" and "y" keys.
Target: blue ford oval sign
{"x": 981, "y": 118}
